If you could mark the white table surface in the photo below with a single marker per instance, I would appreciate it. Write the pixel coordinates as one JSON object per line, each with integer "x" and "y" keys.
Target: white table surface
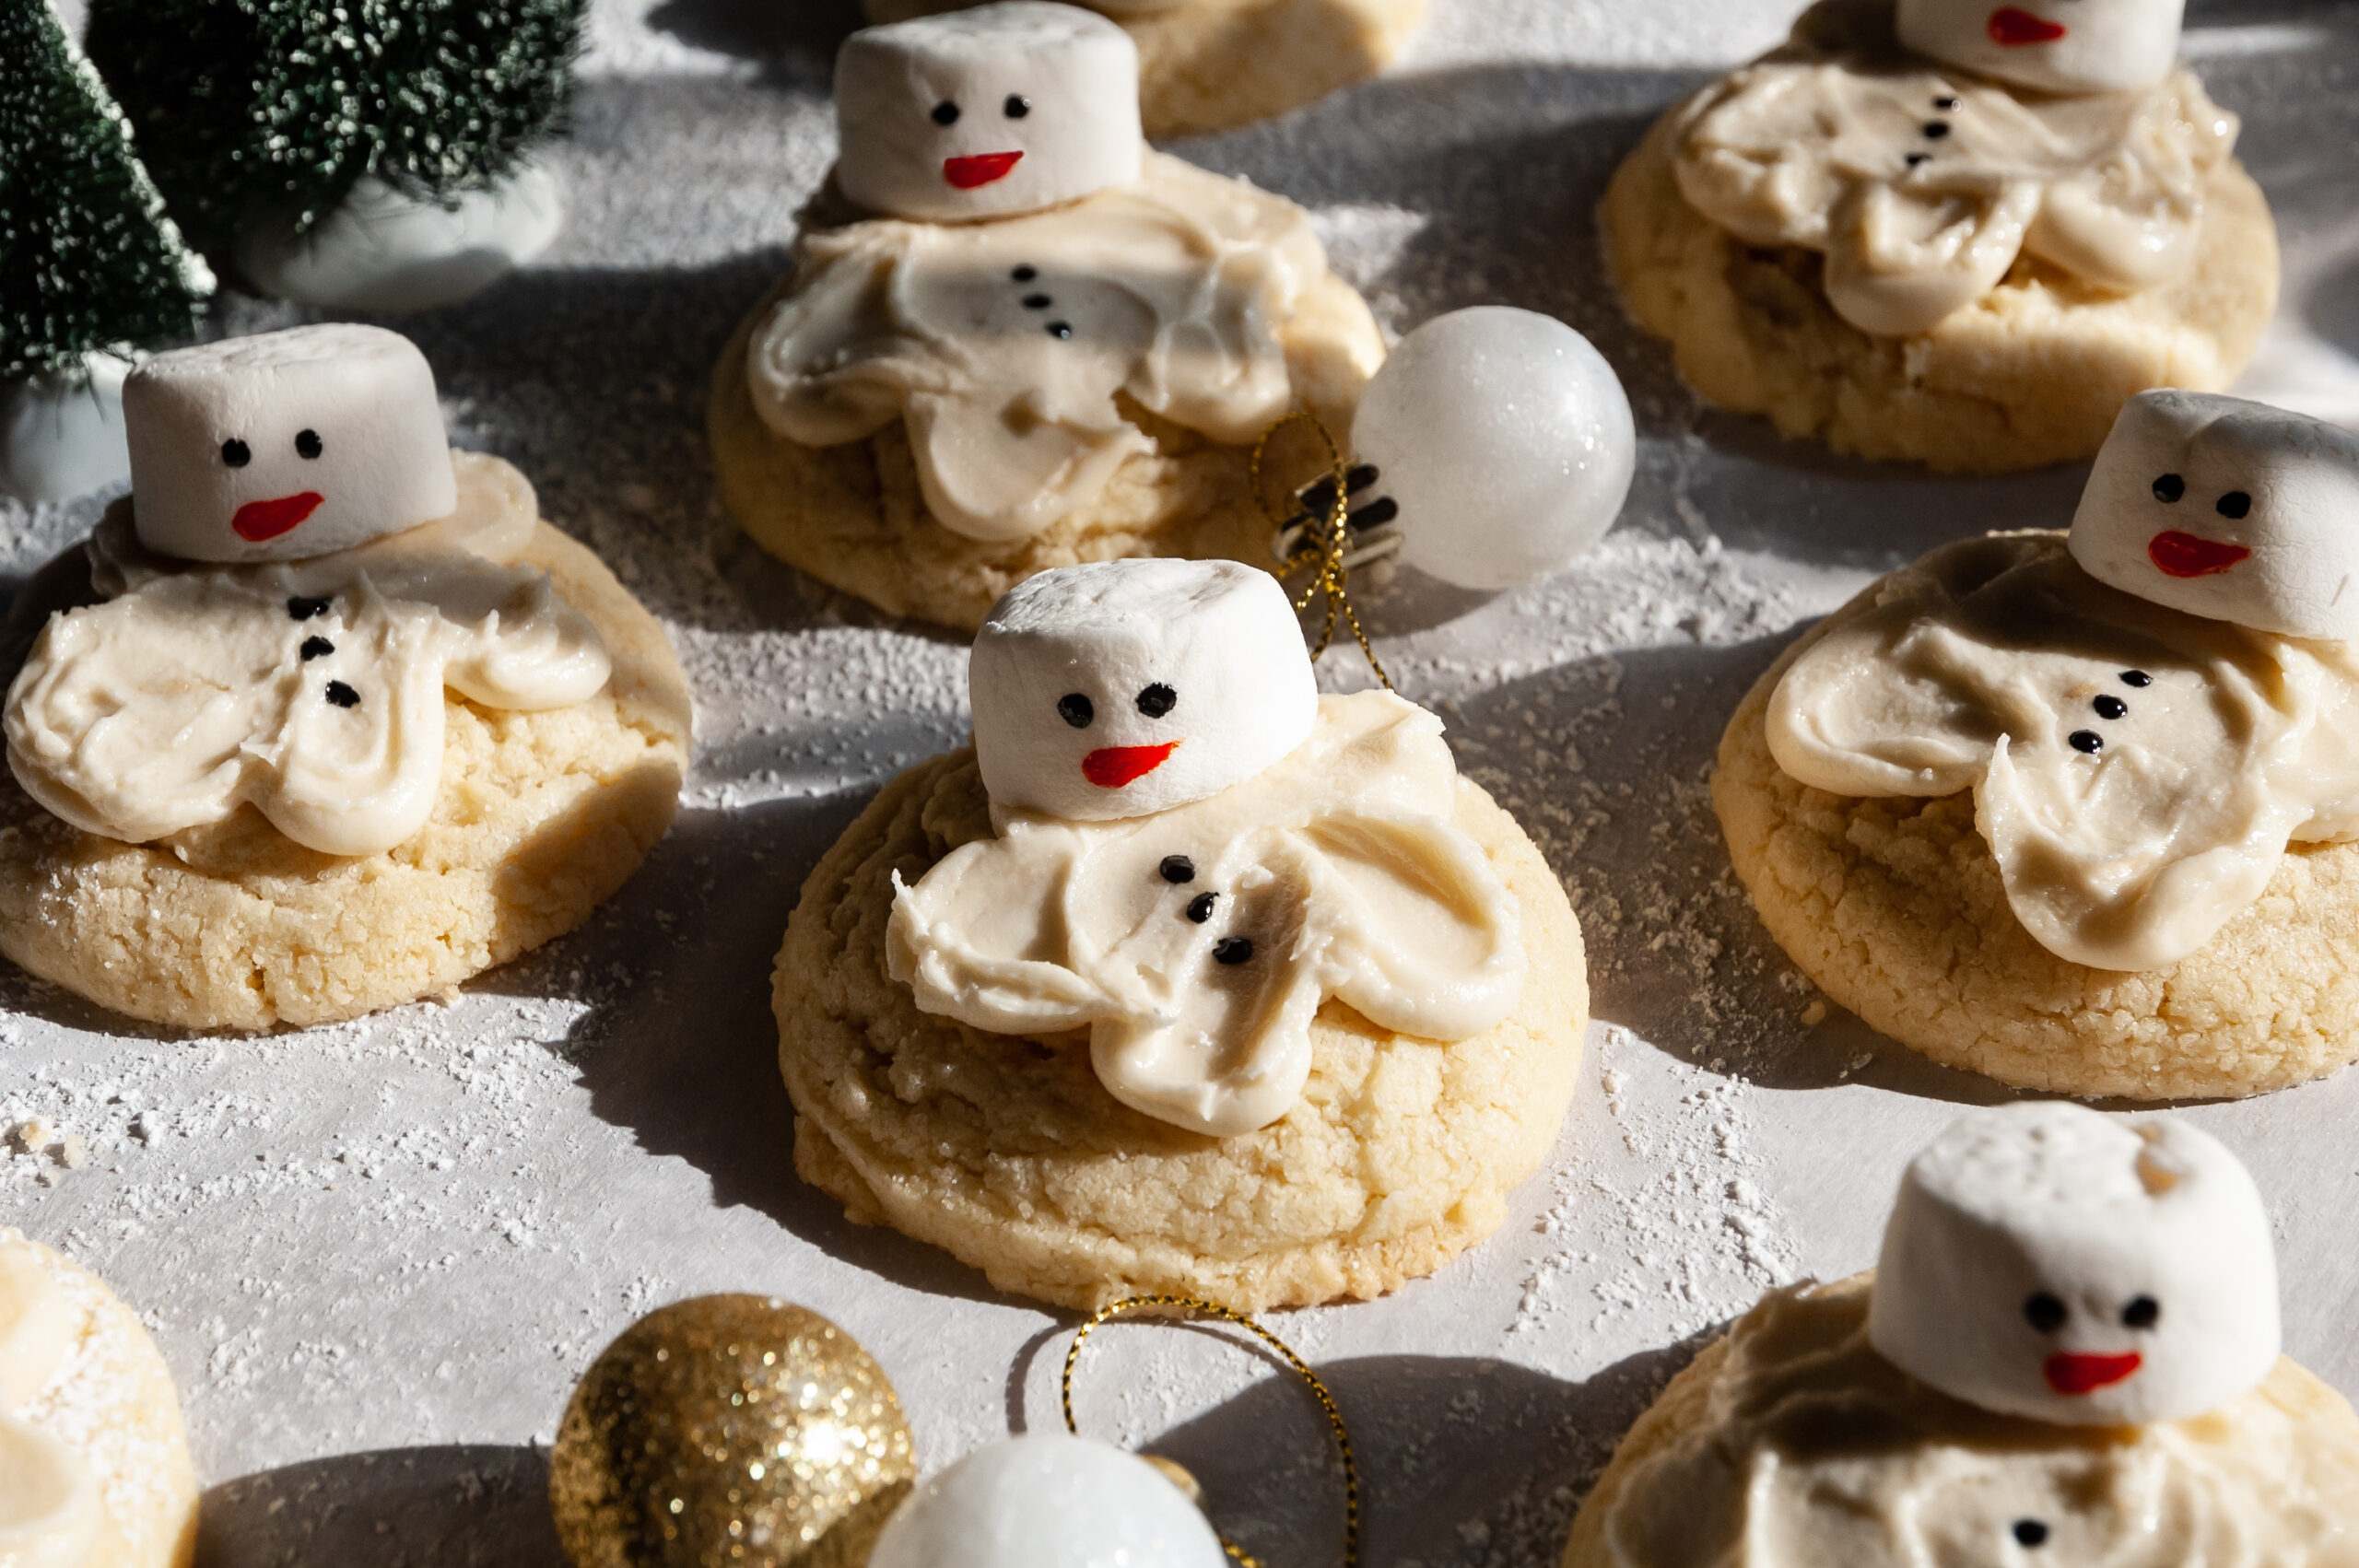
{"x": 379, "y": 1255}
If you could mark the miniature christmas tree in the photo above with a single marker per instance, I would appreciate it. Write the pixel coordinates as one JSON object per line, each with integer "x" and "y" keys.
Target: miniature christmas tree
{"x": 88, "y": 262}
{"x": 278, "y": 106}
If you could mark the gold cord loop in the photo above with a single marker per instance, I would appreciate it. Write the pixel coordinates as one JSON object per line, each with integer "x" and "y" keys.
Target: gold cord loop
{"x": 1302, "y": 1369}
{"x": 1333, "y": 540}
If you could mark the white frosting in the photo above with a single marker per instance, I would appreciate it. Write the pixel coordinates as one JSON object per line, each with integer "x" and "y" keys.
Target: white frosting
{"x": 1117, "y": 688}
{"x": 1007, "y": 108}
{"x": 289, "y": 444}
{"x": 2230, "y": 509}
{"x": 195, "y": 691}
{"x": 1921, "y": 185}
{"x": 2137, "y": 771}
{"x": 1170, "y": 292}
{"x": 50, "y": 1512}
{"x": 1045, "y": 1500}
{"x": 2047, "y": 1261}
{"x": 2060, "y": 46}
{"x": 1338, "y": 869}
{"x": 1505, "y": 439}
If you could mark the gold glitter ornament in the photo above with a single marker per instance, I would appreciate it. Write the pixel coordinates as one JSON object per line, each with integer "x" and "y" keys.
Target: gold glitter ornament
{"x": 730, "y": 1432}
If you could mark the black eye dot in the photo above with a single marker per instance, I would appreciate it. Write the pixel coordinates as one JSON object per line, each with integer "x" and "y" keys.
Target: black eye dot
{"x": 1017, "y": 106}
{"x": 2235, "y": 503}
{"x": 306, "y": 443}
{"x": 1157, "y": 701}
{"x": 1177, "y": 868}
{"x": 2087, "y": 741}
{"x": 946, "y": 113}
{"x": 236, "y": 453}
{"x": 2169, "y": 487}
{"x": 1077, "y": 709}
{"x": 2030, "y": 1532}
{"x": 2136, "y": 678}
{"x": 2143, "y": 1312}
{"x": 2044, "y": 1312}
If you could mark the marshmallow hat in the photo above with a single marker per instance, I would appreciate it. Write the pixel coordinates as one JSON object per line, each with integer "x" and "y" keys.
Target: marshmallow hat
{"x": 1118, "y": 688}
{"x": 1008, "y": 107}
{"x": 2047, "y": 1261}
{"x": 285, "y": 445}
{"x": 2062, "y": 46}
{"x": 2229, "y": 510}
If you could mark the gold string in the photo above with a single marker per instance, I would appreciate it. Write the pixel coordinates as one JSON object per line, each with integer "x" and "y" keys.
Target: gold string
{"x": 1302, "y": 1369}
{"x": 1333, "y": 538}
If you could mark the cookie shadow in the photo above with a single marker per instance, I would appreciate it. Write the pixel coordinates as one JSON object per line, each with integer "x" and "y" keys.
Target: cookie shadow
{"x": 459, "y": 1505}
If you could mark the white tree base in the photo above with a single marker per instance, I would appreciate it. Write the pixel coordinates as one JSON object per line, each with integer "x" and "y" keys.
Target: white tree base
{"x": 62, "y": 435}
{"x": 384, "y": 251}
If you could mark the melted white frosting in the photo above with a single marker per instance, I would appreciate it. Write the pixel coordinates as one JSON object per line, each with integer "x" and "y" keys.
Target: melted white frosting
{"x": 1830, "y": 144}
{"x": 50, "y": 1513}
{"x": 1339, "y": 865}
{"x": 193, "y": 692}
{"x": 1977, "y": 668}
{"x": 1172, "y": 289}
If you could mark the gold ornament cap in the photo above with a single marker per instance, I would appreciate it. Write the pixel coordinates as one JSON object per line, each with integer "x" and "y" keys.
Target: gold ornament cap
{"x": 730, "y": 1432}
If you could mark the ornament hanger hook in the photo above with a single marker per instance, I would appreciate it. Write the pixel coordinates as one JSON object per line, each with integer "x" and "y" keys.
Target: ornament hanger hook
{"x": 1327, "y": 546}
{"x": 1212, "y": 1309}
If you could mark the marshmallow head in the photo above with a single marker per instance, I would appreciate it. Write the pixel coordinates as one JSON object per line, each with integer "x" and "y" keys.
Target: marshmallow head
{"x": 289, "y": 444}
{"x": 2050, "y": 1261}
{"x": 1008, "y": 107}
{"x": 2062, "y": 46}
{"x": 1045, "y": 1500}
{"x": 1123, "y": 687}
{"x": 2229, "y": 510}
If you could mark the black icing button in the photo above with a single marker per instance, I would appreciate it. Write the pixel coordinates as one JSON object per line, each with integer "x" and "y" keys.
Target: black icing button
{"x": 2111, "y": 707}
{"x": 304, "y": 609}
{"x": 1177, "y": 868}
{"x": 2136, "y": 678}
{"x": 1945, "y": 103}
{"x": 1914, "y": 158}
{"x": 1061, "y": 331}
{"x": 2087, "y": 741}
{"x": 1935, "y": 130}
{"x": 1038, "y": 301}
{"x": 2030, "y": 1532}
{"x": 316, "y": 647}
{"x": 1025, "y": 273}
{"x": 342, "y": 695}
{"x": 1200, "y": 907}
{"x": 1233, "y": 950}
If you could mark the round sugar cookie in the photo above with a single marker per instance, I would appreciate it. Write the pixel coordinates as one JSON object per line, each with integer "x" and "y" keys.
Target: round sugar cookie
{"x": 1008, "y": 1153}
{"x": 108, "y": 1399}
{"x": 1893, "y": 907}
{"x": 539, "y": 818}
{"x": 1215, "y": 65}
{"x": 1692, "y": 1466}
{"x": 852, "y": 516}
{"x": 2031, "y": 374}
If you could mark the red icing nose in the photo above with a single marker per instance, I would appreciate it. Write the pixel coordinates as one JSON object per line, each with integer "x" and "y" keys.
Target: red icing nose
{"x": 981, "y": 169}
{"x": 2188, "y": 555}
{"x": 2012, "y": 28}
{"x": 2086, "y": 1374}
{"x": 1111, "y": 768}
{"x": 258, "y": 520}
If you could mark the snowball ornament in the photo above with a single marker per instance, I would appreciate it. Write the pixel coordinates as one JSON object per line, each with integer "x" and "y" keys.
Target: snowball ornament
{"x": 1005, "y": 108}
{"x": 1503, "y": 439}
{"x": 2062, "y": 46}
{"x": 2229, "y": 510}
{"x": 285, "y": 445}
{"x": 2050, "y": 1261}
{"x": 1118, "y": 688}
{"x": 1048, "y": 1501}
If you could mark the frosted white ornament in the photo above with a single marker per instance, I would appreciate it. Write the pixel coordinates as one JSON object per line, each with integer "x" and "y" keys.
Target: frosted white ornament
{"x": 1118, "y": 688}
{"x": 2063, "y": 46}
{"x": 284, "y": 445}
{"x": 2047, "y": 1261}
{"x": 1505, "y": 439}
{"x": 1008, "y": 107}
{"x": 2229, "y": 510}
{"x": 61, "y": 436}
{"x": 381, "y": 250}
{"x": 1047, "y": 1501}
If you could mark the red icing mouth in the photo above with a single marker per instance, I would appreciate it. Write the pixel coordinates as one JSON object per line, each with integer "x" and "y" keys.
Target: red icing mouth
{"x": 2086, "y": 1374}
{"x": 258, "y": 520}
{"x": 1111, "y": 768}
{"x": 981, "y": 169}
{"x": 2188, "y": 555}
{"x": 2013, "y": 26}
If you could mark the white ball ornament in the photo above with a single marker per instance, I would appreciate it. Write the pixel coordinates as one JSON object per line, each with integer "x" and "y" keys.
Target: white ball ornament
{"x": 1506, "y": 441}
{"x": 1047, "y": 1501}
